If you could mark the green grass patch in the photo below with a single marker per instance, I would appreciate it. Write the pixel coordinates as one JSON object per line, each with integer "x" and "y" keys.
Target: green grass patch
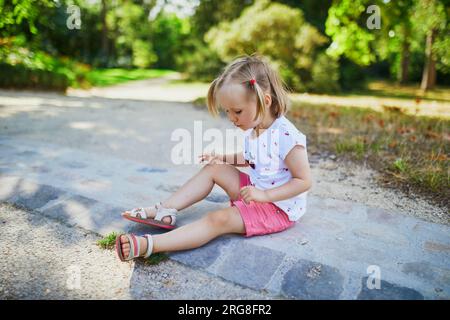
{"x": 156, "y": 258}
{"x": 400, "y": 165}
{"x": 107, "y": 77}
{"x": 358, "y": 148}
{"x": 108, "y": 242}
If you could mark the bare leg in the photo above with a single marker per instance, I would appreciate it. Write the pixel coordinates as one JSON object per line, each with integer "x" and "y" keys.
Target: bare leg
{"x": 200, "y": 232}
{"x": 195, "y": 234}
{"x": 200, "y": 185}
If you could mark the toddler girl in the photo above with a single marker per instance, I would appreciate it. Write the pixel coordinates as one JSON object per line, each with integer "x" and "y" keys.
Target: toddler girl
{"x": 268, "y": 200}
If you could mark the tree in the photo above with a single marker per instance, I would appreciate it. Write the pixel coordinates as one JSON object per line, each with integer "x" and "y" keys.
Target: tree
{"x": 169, "y": 34}
{"x": 210, "y": 12}
{"x": 16, "y": 14}
{"x": 276, "y": 31}
{"x": 431, "y": 22}
{"x": 404, "y": 24}
{"x": 346, "y": 25}
{"x": 315, "y": 11}
{"x": 132, "y": 45}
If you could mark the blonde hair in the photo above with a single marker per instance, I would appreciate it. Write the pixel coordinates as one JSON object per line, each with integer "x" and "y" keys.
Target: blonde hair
{"x": 244, "y": 69}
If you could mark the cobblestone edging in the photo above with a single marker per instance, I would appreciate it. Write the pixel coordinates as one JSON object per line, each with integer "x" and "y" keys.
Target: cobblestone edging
{"x": 326, "y": 255}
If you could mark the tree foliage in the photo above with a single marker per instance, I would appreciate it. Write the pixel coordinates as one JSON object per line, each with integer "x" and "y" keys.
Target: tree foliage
{"x": 276, "y": 31}
{"x": 400, "y": 41}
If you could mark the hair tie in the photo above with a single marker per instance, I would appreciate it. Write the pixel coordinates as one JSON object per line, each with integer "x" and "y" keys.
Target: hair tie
{"x": 252, "y": 82}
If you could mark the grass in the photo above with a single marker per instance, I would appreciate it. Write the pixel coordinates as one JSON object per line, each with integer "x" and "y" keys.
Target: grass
{"x": 386, "y": 96}
{"x": 411, "y": 152}
{"x": 107, "y": 77}
{"x": 156, "y": 258}
{"x": 108, "y": 242}
{"x": 383, "y": 88}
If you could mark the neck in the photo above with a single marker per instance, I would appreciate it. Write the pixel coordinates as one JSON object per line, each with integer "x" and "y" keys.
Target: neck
{"x": 265, "y": 123}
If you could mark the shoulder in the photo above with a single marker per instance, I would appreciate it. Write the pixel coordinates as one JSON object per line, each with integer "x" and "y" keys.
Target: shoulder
{"x": 289, "y": 130}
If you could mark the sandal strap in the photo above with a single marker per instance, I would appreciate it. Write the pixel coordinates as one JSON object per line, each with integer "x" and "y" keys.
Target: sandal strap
{"x": 149, "y": 245}
{"x": 134, "y": 247}
{"x": 138, "y": 211}
{"x": 164, "y": 212}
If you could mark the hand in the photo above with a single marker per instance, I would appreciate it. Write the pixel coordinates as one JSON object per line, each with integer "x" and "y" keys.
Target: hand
{"x": 211, "y": 158}
{"x": 250, "y": 193}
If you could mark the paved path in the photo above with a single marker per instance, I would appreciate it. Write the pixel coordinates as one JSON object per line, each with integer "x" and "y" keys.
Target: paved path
{"x": 82, "y": 161}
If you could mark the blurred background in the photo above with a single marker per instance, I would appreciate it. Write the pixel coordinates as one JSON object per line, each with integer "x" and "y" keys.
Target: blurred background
{"x": 319, "y": 46}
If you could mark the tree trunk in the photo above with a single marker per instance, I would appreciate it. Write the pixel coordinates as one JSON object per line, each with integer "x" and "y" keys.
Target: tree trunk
{"x": 404, "y": 64}
{"x": 429, "y": 70}
{"x": 104, "y": 50}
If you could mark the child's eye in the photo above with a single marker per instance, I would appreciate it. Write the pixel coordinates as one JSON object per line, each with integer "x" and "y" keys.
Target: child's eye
{"x": 238, "y": 112}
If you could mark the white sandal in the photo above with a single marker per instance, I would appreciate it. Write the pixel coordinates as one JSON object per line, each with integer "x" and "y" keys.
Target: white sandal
{"x": 139, "y": 215}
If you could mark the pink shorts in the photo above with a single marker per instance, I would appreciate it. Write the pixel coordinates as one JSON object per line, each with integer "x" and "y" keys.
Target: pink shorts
{"x": 260, "y": 217}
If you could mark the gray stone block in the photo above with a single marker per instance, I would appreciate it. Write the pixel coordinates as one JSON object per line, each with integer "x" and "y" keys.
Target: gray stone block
{"x": 37, "y": 198}
{"x": 27, "y": 154}
{"x": 219, "y": 198}
{"x": 388, "y": 291}
{"x": 201, "y": 257}
{"x": 249, "y": 265}
{"x": 74, "y": 165}
{"x": 107, "y": 218}
{"x": 151, "y": 170}
{"x": 312, "y": 281}
{"x": 4, "y": 170}
{"x": 383, "y": 217}
{"x": 420, "y": 269}
{"x": 75, "y": 210}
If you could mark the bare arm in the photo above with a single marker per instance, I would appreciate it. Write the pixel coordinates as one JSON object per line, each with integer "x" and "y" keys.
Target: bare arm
{"x": 297, "y": 162}
{"x": 235, "y": 159}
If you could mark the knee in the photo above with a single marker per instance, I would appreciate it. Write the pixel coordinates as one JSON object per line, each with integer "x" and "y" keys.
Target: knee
{"x": 219, "y": 219}
{"x": 212, "y": 168}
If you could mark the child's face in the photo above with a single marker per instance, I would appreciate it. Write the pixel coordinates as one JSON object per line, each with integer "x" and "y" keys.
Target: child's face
{"x": 239, "y": 106}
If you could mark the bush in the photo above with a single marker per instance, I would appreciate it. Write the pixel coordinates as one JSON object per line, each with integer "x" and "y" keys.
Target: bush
{"x": 201, "y": 63}
{"x": 143, "y": 54}
{"x": 23, "y": 67}
{"x": 351, "y": 76}
{"x": 325, "y": 75}
{"x": 20, "y": 76}
{"x": 169, "y": 36}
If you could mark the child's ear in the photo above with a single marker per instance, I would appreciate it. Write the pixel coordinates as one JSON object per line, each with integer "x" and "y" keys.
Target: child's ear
{"x": 267, "y": 100}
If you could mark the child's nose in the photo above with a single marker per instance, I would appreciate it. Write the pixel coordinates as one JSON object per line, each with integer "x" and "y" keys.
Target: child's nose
{"x": 232, "y": 119}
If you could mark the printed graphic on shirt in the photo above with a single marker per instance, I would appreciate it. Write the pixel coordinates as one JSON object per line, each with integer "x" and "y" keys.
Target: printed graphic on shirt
{"x": 266, "y": 156}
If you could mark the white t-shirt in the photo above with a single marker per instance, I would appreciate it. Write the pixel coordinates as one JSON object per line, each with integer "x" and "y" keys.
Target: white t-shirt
{"x": 266, "y": 155}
